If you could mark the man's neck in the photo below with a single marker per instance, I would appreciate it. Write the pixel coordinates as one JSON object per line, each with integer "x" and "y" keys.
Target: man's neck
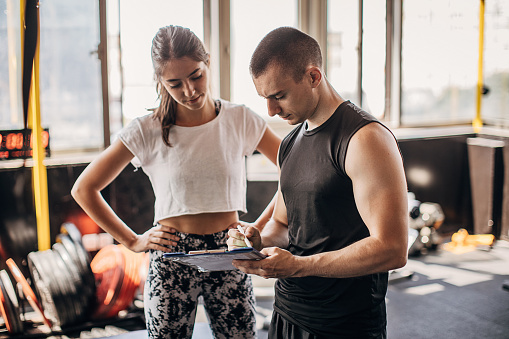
{"x": 328, "y": 102}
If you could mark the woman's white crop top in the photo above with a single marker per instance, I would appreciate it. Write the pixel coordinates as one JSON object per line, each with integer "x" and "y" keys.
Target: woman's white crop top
{"x": 204, "y": 169}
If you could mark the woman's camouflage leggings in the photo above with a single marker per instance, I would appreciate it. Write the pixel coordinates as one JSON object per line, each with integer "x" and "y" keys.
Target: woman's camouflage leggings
{"x": 172, "y": 291}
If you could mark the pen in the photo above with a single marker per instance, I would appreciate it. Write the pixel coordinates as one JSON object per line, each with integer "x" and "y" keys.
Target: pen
{"x": 248, "y": 243}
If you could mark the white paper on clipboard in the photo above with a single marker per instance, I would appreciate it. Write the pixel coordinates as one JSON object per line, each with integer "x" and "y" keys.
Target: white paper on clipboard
{"x": 215, "y": 261}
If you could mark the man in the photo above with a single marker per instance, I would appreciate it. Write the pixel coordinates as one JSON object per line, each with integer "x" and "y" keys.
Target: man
{"x": 340, "y": 219}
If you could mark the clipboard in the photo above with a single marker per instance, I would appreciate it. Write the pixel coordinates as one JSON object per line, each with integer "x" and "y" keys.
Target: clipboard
{"x": 214, "y": 260}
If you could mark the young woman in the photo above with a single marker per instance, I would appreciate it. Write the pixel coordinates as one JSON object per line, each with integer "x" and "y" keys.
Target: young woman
{"x": 193, "y": 149}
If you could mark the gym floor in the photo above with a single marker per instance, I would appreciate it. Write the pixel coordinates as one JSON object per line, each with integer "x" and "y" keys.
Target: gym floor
{"x": 452, "y": 296}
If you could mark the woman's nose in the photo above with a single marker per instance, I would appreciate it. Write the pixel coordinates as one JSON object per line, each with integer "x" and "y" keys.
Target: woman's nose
{"x": 188, "y": 90}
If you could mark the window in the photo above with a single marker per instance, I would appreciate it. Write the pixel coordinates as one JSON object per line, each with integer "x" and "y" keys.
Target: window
{"x": 69, "y": 72}
{"x": 495, "y": 104}
{"x": 343, "y": 52}
{"x": 342, "y": 49}
{"x": 139, "y": 23}
{"x": 373, "y": 57}
{"x": 11, "y": 101}
{"x": 439, "y": 61}
{"x": 250, "y": 22}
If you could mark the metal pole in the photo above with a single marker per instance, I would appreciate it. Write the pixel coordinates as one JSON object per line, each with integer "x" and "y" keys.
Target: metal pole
{"x": 477, "y": 122}
{"x": 224, "y": 49}
{"x": 103, "y": 56}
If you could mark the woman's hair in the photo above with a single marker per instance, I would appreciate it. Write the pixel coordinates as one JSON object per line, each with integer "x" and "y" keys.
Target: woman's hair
{"x": 288, "y": 48}
{"x": 172, "y": 42}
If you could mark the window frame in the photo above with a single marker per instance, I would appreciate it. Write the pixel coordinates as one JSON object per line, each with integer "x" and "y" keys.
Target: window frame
{"x": 312, "y": 19}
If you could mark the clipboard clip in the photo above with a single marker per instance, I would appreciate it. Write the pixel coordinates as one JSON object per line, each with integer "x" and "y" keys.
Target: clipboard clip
{"x": 221, "y": 250}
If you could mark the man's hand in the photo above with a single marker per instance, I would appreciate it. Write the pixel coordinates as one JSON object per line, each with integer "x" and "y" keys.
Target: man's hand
{"x": 278, "y": 264}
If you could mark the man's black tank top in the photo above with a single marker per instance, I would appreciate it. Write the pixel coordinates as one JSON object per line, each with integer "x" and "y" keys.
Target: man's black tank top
{"x": 322, "y": 217}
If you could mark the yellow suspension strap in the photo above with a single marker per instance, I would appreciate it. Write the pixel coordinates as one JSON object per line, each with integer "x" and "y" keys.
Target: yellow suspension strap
{"x": 477, "y": 122}
{"x": 30, "y": 38}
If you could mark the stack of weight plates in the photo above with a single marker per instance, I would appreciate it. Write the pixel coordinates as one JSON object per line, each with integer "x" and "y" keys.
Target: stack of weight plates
{"x": 63, "y": 279}
{"x": 69, "y": 287}
{"x": 117, "y": 272}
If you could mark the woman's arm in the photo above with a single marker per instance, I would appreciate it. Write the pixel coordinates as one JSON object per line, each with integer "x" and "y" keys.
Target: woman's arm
{"x": 275, "y": 232}
{"x": 269, "y": 147}
{"x": 87, "y": 193}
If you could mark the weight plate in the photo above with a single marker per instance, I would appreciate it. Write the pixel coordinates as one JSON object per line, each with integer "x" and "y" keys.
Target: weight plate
{"x": 72, "y": 293}
{"x": 108, "y": 267}
{"x": 50, "y": 298}
{"x": 4, "y": 309}
{"x": 18, "y": 239}
{"x": 70, "y": 247}
{"x": 131, "y": 280}
{"x": 82, "y": 299}
{"x": 139, "y": 259}
{"x": 61, "y": 285}
{"x": 27, "y": 291}
{"x": 47, "y": 267}
{"x": 72, "y": 231}
{"x": 12, "y": 302}
{"x": 86, "y": 274}
{"x": 74, "y": 234}
{"x": 82, "y": 259}
{"x": 9, "y": 312}
{"x": 128, "y": 283}
{"x": 124, "y": 299}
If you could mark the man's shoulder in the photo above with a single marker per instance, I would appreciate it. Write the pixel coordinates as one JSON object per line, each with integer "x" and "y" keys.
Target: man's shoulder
{"x": 372, "y": 129}
{"x": 349, "y": 109}
{"x": 373, "y": 138}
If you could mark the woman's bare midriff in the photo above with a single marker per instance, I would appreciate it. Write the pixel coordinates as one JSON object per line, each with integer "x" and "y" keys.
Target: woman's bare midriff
{"x": 204, "y": 223}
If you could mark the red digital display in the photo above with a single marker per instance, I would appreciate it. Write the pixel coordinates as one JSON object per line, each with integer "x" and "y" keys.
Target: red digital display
{"x": 17, "y": 144}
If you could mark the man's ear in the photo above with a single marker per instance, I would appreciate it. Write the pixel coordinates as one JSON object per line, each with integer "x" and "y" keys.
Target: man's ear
{"x": 315, "y": 76}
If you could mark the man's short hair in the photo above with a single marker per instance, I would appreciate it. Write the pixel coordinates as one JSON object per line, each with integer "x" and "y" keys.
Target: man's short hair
{"x": 288, "y": 48}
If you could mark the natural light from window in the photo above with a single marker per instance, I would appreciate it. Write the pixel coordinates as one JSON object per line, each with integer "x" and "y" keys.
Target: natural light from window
{"x": 250, "y": 22}
{"x": 139, "y": 23}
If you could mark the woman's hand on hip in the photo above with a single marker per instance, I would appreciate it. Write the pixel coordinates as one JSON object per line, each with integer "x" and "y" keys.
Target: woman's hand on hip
{"x": 159, "y": 237}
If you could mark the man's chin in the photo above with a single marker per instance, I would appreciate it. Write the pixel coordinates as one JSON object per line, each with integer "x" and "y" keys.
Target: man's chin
{"x": 293, "y": 121}
{"x": 288, "y": 119}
